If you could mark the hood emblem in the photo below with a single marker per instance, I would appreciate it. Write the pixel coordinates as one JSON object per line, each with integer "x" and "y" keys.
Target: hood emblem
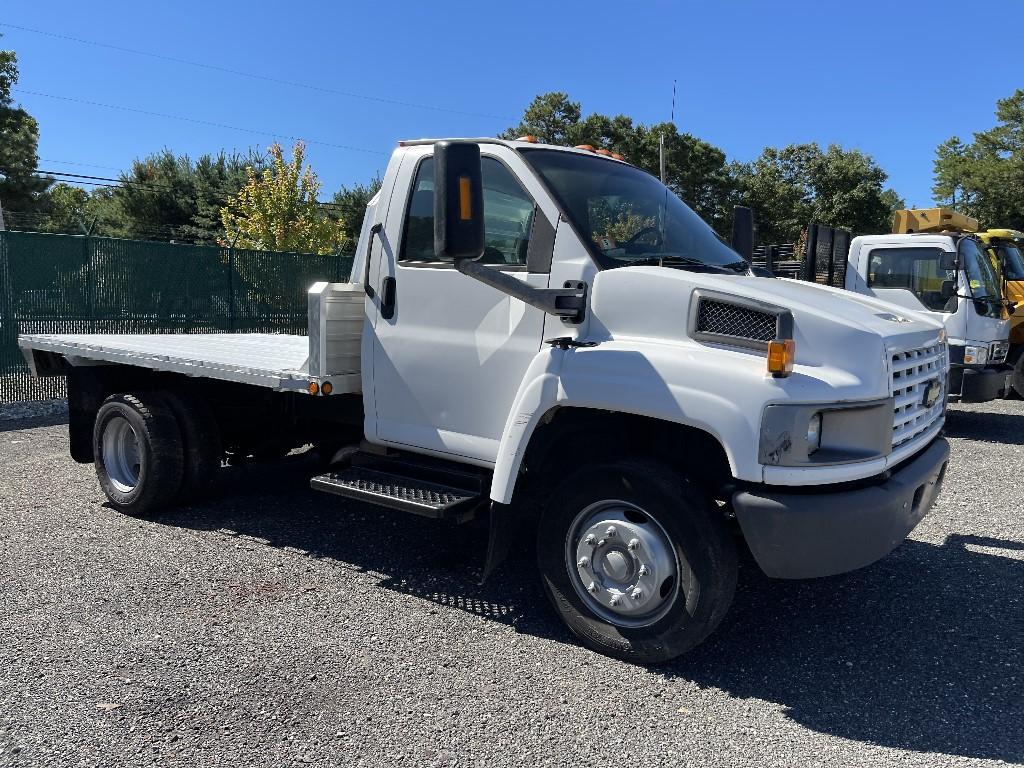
{"x": 892, "y": 318}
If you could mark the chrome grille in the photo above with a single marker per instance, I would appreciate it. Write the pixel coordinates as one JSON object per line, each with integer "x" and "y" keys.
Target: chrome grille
{"x": 912, "y": 372}
{"x": 724, "y": 319}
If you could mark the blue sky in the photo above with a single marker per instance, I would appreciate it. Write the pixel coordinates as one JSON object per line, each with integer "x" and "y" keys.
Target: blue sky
{"x": 891, "y": 79}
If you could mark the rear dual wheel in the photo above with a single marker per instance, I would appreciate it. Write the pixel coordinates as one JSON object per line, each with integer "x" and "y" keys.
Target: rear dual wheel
{"x": 152, "y": 449}
{"x": 637, "y": 561}
{"x": 138, "y": 453}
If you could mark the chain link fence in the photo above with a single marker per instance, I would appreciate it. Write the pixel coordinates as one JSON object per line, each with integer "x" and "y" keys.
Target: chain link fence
{"x": 78, "y": 284}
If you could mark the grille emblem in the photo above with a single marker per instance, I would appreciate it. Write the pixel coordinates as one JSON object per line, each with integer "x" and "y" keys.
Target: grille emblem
{"x": 931, "y": 393}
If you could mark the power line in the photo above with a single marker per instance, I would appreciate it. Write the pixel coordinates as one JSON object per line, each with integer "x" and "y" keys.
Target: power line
{"x": 197, "y": 121}
{"x": 99, "y": 181}
{"x": 149, "y": 184}
{"x": 256, "y": 76}
{"x": 78, "y": 178}
{"x": 84, "y": 165}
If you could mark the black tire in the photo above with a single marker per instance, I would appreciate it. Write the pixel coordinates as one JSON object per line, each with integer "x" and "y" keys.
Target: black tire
{"x": 159, "y": 453}
{"x": 699, "y": 536}
{"x": 1016, "y": 388}
{"x": 202, "y": 449}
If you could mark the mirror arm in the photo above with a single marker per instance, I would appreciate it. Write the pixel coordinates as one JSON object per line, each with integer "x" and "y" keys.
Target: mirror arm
{"x": 568, "y": 303}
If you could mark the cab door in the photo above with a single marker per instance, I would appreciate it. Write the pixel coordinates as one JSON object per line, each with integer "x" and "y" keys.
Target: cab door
{"x": 449, "y": 352}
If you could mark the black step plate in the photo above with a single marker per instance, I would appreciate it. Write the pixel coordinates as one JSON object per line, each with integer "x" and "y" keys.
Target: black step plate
{"x": 396, "y": 492}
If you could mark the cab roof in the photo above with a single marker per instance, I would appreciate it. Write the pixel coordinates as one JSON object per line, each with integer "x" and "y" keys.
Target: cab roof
{"x": 522, "y": 143}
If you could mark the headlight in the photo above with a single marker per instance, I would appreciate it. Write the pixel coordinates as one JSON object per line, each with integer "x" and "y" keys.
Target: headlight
{"x": 795, "y": 435}
{"x": 975, "y": 355}
{"x": 814, "y": 433}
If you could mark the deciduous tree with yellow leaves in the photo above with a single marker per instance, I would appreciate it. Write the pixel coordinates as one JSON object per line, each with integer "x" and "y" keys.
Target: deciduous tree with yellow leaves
{"x": 277, "y": 209}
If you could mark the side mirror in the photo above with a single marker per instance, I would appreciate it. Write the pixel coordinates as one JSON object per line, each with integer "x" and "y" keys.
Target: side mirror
{"x": 948, "y": 289}
{"x": 948, "y": 261}
{"x": 743, "y": 231}
{"x": 458, "y": 201}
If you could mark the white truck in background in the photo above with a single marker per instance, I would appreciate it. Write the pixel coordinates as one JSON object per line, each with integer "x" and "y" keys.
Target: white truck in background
{"x": 933, "y": 264}
{"x": 551, "y": 337}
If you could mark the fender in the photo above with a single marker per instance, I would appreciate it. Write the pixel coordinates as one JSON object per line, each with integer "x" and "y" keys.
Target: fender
{"x": 628, "y": 376}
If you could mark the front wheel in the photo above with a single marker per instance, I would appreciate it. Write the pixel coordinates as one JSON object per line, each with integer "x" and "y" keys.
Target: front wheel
{"x": 636, "y": 560}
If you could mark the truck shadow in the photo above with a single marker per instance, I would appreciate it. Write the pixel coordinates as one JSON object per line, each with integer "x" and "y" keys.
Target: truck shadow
{"x": 986, "y": 426}
{"x": 923, "y": 651}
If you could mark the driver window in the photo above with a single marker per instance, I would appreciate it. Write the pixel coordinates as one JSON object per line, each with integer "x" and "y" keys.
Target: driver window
{"x": 508, "y": 216}
{"x": 914, "y": 269}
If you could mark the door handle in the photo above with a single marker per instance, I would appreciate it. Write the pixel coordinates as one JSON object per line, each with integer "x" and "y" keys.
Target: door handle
{"x": 374, "y": 230}
{"x": 388, "y": 291}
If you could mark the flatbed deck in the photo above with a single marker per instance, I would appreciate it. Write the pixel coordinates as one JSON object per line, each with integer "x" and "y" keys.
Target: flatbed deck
{"x": 277, "y": 361}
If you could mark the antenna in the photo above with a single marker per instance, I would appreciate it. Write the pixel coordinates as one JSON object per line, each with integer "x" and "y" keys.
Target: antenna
{"x": 661, "y": 136}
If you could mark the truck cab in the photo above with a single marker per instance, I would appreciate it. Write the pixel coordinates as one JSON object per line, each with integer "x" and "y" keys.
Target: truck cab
{"x": 548, "y": 336}
{"x": 1004, "y": 247}
{"x": 944, "y": 274}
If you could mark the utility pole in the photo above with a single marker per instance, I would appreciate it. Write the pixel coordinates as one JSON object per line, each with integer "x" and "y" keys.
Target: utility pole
{"x": 2, "y": 227}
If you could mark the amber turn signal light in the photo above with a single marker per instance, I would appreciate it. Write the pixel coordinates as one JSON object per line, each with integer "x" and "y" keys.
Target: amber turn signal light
{"x": 313, "y": 388}
{"x": 781, "y": 354}
{"x": 326, "y": 388}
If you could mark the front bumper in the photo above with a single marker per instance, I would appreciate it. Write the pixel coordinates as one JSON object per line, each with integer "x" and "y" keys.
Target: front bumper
{"x": 979, "y": 385}
{"x": 822, "y": 532}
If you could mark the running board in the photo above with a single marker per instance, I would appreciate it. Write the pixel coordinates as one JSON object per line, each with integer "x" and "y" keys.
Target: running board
{"x": 395, "y": 491}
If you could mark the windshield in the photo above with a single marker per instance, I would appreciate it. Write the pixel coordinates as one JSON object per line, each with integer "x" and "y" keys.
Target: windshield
{"x": 627, "y": 216}
{"x": 981, "y": 275}
{"x": 1012, "y": 260}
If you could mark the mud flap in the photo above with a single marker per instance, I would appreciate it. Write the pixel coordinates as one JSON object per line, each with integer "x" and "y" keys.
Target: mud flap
{"x": 499, "y": 538}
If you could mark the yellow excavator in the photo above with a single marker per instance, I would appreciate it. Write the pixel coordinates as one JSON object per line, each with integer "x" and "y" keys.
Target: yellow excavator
{"x": 1005, "y": 247}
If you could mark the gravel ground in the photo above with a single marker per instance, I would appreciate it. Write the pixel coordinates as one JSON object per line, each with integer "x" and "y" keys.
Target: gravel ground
{"x": 34, "y": 409}
{"x": 272, "y": 626}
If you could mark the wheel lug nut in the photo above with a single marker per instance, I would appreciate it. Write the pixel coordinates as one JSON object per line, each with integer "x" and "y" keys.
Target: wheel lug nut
{"x": 592, "y": 587}
{"x": 615, "y": 600}
{"x": 610, "y": 533}
{"x": 601, "y": 543}
{"x": 590, "y": 540}
{"x": 634, "y": 544}
{"x": 638, "y": 594}
{"x": 643, "y": 570}
{"x": 583, "y": 562}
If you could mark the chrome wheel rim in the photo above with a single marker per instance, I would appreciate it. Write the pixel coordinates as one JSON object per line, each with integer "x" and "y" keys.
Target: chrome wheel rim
{"x": 121, "y": 454}
{"x": 622, "y": 563}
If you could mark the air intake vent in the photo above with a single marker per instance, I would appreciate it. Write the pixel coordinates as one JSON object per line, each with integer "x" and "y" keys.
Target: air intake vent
{"x": 719, "y": 318}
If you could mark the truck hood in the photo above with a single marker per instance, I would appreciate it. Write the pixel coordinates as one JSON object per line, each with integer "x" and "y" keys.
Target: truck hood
{"x": 834, "y": 329}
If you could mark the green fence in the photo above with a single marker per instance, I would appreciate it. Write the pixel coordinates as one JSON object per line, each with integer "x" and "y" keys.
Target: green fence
{"x": 76, "y": 284}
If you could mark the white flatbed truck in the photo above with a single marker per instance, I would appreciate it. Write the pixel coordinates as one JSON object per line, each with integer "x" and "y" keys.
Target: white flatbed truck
{"x": 551, "y": 337}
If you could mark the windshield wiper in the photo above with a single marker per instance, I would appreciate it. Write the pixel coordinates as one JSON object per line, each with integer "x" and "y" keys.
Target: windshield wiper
{"x": 736, "y": 267}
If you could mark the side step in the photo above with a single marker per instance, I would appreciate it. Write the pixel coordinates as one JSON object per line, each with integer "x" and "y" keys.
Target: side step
{"x": 399, "y": 491}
